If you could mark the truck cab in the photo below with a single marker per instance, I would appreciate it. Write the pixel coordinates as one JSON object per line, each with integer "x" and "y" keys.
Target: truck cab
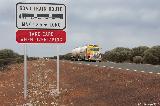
{"x": 93, "y": 53}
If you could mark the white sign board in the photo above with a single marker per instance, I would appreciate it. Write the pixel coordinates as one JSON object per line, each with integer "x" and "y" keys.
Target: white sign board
{"x": 40, "y": 16}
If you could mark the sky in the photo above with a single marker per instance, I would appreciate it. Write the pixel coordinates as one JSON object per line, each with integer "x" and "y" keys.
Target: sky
{"x": 108, "y": 23}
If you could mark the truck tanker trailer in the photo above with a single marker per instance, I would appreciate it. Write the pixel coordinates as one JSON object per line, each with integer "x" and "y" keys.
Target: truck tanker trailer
{"x": 87, "y": 53}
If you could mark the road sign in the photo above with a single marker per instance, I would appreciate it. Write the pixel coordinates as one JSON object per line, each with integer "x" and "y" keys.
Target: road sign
{"x": 41, "y": 36}
{"x": 40, "y": 16}
{"x": 49, "y": 18}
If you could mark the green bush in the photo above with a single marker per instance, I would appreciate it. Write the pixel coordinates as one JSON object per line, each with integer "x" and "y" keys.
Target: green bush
{"x": 141, "y": 54}
{"x": 7, "y": 61}
{"x": 152, "y": 55}
{"x": 139, "y": 51}
{"x": 19, "y": 60}
{"x": 2, "y": 61}
{"x": 8, "y": 56}
{"x": 32, "y": 58}
{"x": 7, "y": 53}
{"x": 138, "y": 59}
{"x": 65, "y": 57}
{"x": 118, "y": 54}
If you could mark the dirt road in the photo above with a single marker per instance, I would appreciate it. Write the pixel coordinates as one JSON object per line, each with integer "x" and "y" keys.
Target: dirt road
{"x": 80, "y": 85}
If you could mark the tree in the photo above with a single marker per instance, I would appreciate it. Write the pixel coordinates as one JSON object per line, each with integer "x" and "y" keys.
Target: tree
{"x": 66, "y": 56}
{"x": 119, "y": 54}
{"x": 139, "y": 51}
{"x": 152, "y": 55}
{"x": 7, "y": 53}
{"x": 8, "y": 56}
{"x": 137, "y": 59}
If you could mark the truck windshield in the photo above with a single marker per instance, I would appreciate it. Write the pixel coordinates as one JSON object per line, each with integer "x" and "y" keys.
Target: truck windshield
{"x": 94, "y": 49}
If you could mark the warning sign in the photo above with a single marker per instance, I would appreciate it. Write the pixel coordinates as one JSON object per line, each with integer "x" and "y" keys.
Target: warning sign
{"x": 41, "y": 36}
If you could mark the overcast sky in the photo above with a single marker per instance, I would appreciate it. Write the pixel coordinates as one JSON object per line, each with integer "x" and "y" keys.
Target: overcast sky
{"x": 108, "y": 23}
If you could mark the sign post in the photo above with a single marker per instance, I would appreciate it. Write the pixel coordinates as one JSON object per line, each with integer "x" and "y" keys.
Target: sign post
{"x": 58, "y": 69}
{"x": 47, "y": 21}
{"x": 25, "y": 71}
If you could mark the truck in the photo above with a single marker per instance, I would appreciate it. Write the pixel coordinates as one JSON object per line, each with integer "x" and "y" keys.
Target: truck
{"x": 86, "y": 53}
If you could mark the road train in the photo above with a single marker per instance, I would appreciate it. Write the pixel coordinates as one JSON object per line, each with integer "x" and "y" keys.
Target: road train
{"x": 87, "y": 53}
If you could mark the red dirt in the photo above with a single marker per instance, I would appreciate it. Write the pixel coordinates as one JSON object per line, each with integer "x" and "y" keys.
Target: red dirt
{"x": 80, "y": 85}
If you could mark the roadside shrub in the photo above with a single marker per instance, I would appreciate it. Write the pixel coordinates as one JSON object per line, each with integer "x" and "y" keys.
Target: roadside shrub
{"x": 118, "y": 54}
{"x": 152, "y": 55}
{"x": 2, "y": 62}
{"x": 137, "y": 59}
{"x": 8, "y": 56}
{"x": 6, "y": 61}
{"x": 139, "y": 51}
{"x": 32, "y": 58}
{"x": 66, "y": 56}
{"x": 103, "y": 57}
{"x": 19, "y": 60}
{"x": 7, "y": 53}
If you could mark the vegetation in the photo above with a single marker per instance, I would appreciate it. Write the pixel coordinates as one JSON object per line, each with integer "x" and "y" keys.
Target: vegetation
{"x": 32, "y": 58}
{"x": 138, "y": 59}
{"x": 139, "y": 51}
{"x": 8, "y": 56}
{"x": 152, "y": 55}
{"x": 118, "y": 54}
{"x": 64, "y": 57}
{"x": 141, "y": 54}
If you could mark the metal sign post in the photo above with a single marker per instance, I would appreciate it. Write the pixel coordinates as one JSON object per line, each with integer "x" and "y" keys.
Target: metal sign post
{"x": 25, "y": 71}
{"x": 58, "y": 69}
